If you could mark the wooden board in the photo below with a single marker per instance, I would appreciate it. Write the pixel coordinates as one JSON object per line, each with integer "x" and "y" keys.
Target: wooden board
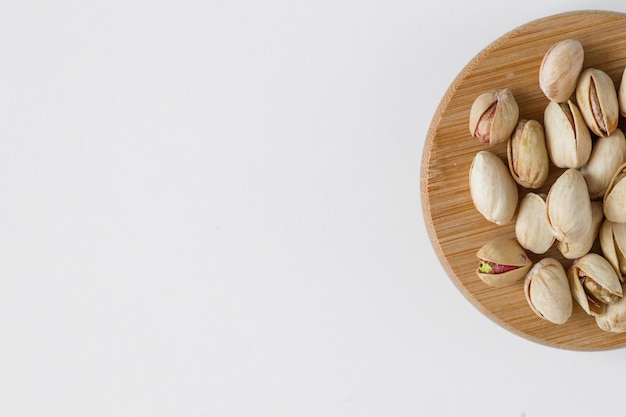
{"x": 455, "y": 227}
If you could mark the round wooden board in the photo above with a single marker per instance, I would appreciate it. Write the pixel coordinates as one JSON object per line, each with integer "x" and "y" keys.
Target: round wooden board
{"x": 455, "y": 227}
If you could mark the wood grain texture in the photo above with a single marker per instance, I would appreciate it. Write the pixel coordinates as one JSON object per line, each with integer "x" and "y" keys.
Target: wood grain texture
{"x": 455, "y": 227}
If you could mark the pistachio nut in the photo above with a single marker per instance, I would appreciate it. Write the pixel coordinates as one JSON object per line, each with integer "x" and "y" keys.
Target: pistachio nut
{"x": 597, "y": 99}
{"x": 547, "y": 291}
{"x": 621, "y": 94}
{"x": 614, "y": 317}
{"x": 568, "y": 207}
{"x": 581, "y": 247}
{"x": 567, "y": 136}
{"x": 594, "y": 283}
{"x": 607, "y": 155}
{"x": 502, "y": 261}
{"x": 531, "y": 226}
{"x": 613, "y": 245}
{"x": 527, "y": 154}
{"x": 560, "y": 68}
{"x": 614, "y": 201}
{"x": 493, "y": 191}
{"x": 493, "y": 116}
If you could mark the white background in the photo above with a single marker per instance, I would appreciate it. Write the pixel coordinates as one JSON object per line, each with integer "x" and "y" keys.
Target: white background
{"x": 212, "y": 209}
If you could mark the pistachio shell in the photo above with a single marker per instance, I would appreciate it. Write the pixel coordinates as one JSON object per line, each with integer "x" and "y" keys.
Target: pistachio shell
{"x": 527, "y": 154}
{"x": 493, "y": 191}
{"x": 583, "y": 246}
{"x": 607, "y": 155}
{"x": 598, "y": 269}
{"x": 614, "y": 202}
{"x": 613, "y": 245}
{"x": 531, "y": 227}
{"x": 503, "y": 251}
{"x": 621, "y": 94}
{"x": 567, "y": 136}
{"x": 568, "y": 207}
{"x": 493, "y": 116}
{"x": 547, "y": 291}
{"x": 560, "y": 68}
{"x": 597, "y": 99}
{"x": 614, "y": 317}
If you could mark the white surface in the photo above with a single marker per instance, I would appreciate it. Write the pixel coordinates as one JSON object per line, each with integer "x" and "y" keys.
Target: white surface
{"x": 212, "y": 209}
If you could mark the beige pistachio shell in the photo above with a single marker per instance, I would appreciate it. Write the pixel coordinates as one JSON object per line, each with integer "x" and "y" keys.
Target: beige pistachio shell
{"x": 547, "y": 291}
{"x": 614, "y": 317}
{"x": 568, "y": 139}
{"x": 597, "y": 100}
{"x": 614, "y": 201}
{"x": 607, "y": 155}
{"x": 493, "y": 116}
{"x": 621, "y": 94}
{"x": 527, "y": 154}
{"x": 531, "y": 226}
{"x": 560, "y": 68}
{"x": 493, "y": 190}
{"x": 568, "y": 207}
{"x": 613, "y": 245}
{"x": 503, "y": 251}
{"x": 598, "y": 271}
{"x": 581, "y": 247}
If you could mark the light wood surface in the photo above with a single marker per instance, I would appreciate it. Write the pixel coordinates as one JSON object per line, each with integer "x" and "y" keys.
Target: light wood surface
{"x": 455, "y": 227}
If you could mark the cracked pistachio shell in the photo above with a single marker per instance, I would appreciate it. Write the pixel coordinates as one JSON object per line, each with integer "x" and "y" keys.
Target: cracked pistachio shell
{"x": 614, "y": 317}
{"x": 507, "y": 252}
{"x": 560, "y": 68}
{"x": 607, "y": 155}
{"x": 568, "y": 207}
{"x": 493, "y": 191}
{"x": 493, "y": 116}
{"x": 547, "y": 291}
{"x": 527, "y": 154}
{"x": 601, "y": 284}
{"x": 597, "y": 100}
{"x": 613, "y": 245}
{"x": 581, "y": 247}
{"x": 614, "y": 202}
{"x": 531, "y": 226}
{"x": 567, "y": 136}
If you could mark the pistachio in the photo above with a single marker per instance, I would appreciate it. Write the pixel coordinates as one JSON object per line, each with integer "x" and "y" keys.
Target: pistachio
{"x": 568, "y": 207}
{"x": 621, "y": 94}
{"x": 594, "y": 283}
{"x": 607, "y": 155}
{"x": 492, "y": 188}
{"x": 614, "y": 201}
{"x": 531, "y": 227}
{"x": 493, "y": 116}
{"x": 582, "y": 246}
{"x": 567, "y": 136}
{"x": 613, "y": 245}
{"x": 614, "y": 317}
{"x": 502, "y": 261}
{"x": 547, "y": 291}
{"x": 527, "y": 154}
{"x": 560, "y": 68}
{"x": 597, "y": 99}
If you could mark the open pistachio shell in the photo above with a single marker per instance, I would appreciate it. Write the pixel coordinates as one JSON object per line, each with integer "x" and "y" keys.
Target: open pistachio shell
{"x": 597, "y": 99}
{"x": 614, "y": 317}
{"x": 531, "y": 226}
{"x": 581, "y": 247}
{"x": 547, "y": 291}
{"x": 493, "y": 191}
{"x": 607, "y": 155}
{"x": 567, "y": 136}
{"x": 504, "y": 259}
{"x": 560, "y": 68}
{"x": 613, "y": 245}
{"x": 594, "y": 283}
{"x": 493, "y": 116}
{"x": 527, "y": 154}
{"x": 568, "y": 207}
{"x": 614, "y": 202}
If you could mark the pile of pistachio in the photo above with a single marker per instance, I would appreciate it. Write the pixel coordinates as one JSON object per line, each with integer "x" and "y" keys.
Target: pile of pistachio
{"x": 586, "y": 203}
